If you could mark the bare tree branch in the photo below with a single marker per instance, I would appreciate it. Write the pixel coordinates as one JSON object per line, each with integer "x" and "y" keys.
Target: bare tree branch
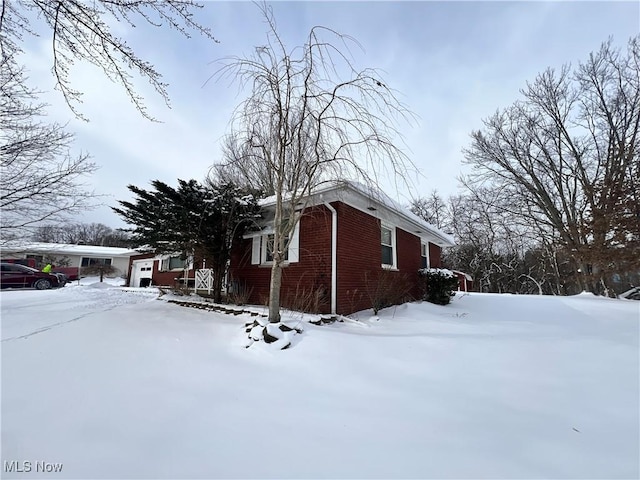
{"x": 81, "y": 31}
{"x": 567, "y": 154}
{"x": 310, "y": 117}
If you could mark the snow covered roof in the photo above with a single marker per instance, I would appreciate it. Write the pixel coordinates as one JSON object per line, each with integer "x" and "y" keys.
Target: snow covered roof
{"x": 68, "y": 249}
{"x": 374, "y": 200}
{"x": 466, "y": 275}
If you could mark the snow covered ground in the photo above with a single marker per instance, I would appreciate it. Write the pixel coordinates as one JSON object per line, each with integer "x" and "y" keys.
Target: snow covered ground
{"x": 112, "y": 383}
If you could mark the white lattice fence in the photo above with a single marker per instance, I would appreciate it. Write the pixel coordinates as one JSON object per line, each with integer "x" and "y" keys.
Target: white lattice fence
{"x": 204, "y": 280}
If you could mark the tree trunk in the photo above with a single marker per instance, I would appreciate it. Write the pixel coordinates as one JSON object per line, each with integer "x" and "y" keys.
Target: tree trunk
{"x": 274, "y": 293}
{"x": 217, "y": 284}
{"x": 538, "y": 284}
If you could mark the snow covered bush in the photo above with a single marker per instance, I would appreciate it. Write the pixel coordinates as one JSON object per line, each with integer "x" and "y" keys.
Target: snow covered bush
{"x": 438, "y": 285}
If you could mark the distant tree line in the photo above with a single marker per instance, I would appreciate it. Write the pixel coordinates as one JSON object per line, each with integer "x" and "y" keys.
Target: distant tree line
{"x": 504, "y": 256}
{"x": 83, "y": 234}
{"x": 552, "y": 200}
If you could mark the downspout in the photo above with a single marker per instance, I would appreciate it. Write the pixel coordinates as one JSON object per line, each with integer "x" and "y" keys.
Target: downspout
{"x": 334, "y": 257}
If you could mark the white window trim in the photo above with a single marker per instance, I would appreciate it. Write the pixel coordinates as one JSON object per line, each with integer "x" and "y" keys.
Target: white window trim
{"x": 256, "y": 249}
{"x": 426, "y": 245}
{"x": 95, "y": 257}
{"x": 259, "y": 247}
{"x": 394, "y": 246}
{"x": 164, "y": 264}
{"x": 263, "y": 250}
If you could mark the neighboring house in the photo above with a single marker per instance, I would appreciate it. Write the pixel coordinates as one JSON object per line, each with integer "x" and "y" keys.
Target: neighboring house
{"x": 69, "y": 258}
{"x": 349, "y": 241}
{"x": 165, "y": 270}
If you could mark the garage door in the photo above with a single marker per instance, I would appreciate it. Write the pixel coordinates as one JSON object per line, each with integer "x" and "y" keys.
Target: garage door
{"x": 142, "y": 269}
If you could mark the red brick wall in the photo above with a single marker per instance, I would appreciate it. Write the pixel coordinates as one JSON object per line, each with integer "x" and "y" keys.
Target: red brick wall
{"x": 311, "y": 274}
{"x": 168, "y": 279}
{"x": 409, "y": 260}
{"x": 359, "y": 257}
{"x": 359, "y": 260}
{"x": 245, "y": 275}
{"x": 435, "y": 256}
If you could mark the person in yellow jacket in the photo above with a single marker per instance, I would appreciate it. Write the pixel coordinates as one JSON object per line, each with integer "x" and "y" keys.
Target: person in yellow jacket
{"x": 47, "y": 268}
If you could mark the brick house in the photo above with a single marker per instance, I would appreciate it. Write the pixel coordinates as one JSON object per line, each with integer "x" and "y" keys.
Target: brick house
{"x": 159, "y": 269}
{"x": 350, "y": 242}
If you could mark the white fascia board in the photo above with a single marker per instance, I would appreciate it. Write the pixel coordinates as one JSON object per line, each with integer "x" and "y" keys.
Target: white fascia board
{"x": 377, "y": 205}
{"x": 268, "y": 230}
{"x": 389, "y": 214}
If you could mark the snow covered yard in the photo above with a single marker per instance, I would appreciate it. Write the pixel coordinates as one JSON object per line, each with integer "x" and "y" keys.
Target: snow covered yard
{"x": 112, "y": 383}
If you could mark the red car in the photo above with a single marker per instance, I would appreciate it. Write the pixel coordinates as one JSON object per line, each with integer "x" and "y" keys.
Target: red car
{"x": 13, "y": 275}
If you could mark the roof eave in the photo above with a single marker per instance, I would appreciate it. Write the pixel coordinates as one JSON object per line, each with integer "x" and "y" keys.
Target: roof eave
{"x": 418, "y": 227}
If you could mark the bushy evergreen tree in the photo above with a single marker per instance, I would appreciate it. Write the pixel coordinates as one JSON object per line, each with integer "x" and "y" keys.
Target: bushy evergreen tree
{"x": 194, "y": 219}
{"x": 439, "y": 285}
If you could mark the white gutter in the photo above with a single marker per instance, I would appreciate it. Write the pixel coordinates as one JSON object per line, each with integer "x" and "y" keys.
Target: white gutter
{"x": 334, "y": 257}
{"x": 381, "y": 200}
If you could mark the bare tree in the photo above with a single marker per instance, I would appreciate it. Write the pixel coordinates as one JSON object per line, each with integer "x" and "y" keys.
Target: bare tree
{"x": 562, "y": 154}
{"x": 89, "y": 233}
{"x": 83, "y": 30}
{"x": 41, "y": 180}
{"x": 503, "y": 252}
{"x": 82, "y": 233}
{"x": 432, "y": 209}
{"x": 240, "y": 166}
{"x": 310, "y": 116}
{"x": 500, "y": 252}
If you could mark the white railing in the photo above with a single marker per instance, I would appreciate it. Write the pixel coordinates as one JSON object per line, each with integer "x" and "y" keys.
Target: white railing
{"x": 204, "y": 280}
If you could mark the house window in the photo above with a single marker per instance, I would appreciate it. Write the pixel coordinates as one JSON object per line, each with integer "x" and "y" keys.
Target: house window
{"x": 268, "y": 245}
{"x": 424, "y": 253}
{"x": 388, "y": 240}
{"x": 38, "y": 258}
{"x": 172, "y": 263}
{"x": 90, "y": 261}
{"x": 262, "y": 248}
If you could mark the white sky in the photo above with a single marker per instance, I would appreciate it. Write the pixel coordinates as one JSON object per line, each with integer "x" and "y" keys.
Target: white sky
{"x": 454, "y": 63}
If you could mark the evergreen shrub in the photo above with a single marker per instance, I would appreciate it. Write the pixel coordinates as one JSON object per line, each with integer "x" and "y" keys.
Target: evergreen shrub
{"x": 438, "y": 285}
